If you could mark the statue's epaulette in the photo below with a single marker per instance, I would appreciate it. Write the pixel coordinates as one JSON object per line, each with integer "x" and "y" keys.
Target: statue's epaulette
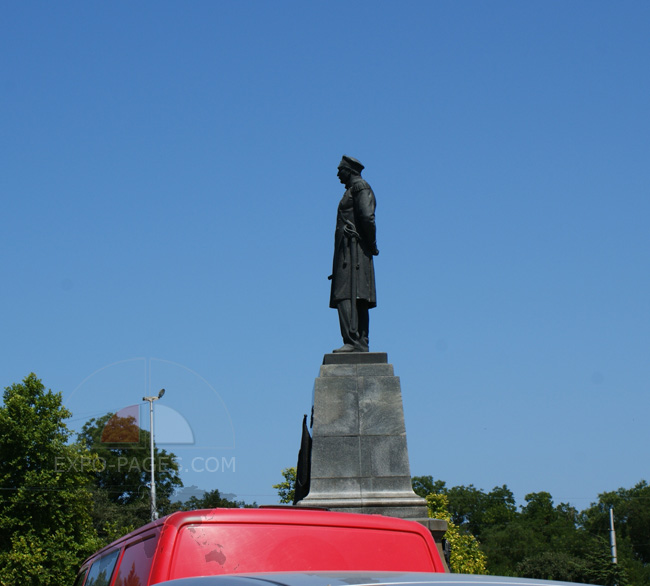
{"x": 359, "y": 185}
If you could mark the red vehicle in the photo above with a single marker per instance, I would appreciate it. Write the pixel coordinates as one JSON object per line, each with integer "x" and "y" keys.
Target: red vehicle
{"x": 232, "y": 541}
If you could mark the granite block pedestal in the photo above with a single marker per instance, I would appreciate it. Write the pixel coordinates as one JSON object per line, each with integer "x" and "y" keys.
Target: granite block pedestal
{"x": 359, "y": 460}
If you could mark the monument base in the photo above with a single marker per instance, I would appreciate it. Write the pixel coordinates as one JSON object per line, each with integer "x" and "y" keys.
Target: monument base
{"x": 359, "y": 460}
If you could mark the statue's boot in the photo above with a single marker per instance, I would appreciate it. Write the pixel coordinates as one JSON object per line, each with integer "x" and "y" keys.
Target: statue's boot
{"x": 345, "y": 348}
{"x": 351, "y": 348}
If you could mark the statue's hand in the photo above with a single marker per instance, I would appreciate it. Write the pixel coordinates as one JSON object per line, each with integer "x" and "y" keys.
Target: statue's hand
{"x": 350, "y": 231}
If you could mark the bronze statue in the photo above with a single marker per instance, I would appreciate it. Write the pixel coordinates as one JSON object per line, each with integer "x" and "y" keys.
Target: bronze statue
{"x": 353, "y": 273}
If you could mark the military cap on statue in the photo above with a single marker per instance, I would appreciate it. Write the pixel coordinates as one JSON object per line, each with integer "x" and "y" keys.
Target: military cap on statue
{"x": 351, "y": 163}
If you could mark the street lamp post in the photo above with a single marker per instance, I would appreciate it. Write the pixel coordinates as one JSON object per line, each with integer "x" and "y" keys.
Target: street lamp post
{"x": 154, "y": 513}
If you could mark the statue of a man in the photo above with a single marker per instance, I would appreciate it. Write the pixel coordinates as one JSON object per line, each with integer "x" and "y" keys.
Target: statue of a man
{"x": 353, "y": 274}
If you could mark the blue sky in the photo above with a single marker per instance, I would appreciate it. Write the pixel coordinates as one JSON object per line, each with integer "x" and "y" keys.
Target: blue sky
{"x": 169, "y": 193}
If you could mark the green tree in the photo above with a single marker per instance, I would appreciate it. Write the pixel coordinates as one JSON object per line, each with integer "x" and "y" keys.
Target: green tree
{"x": 546, "y": 541}
{"x": 632, "y": 523}
{"x": 475, "y": 510}
{"x": 287, "y": 488}
{"x": 542, "y": 540}
{"x": 601, "y": 569}
{"x": 122, "y": 475}
{"x": 45, "y": 498}
{"x": 553, "y": 565}
{"x": 426, "y": 485}
{"x": 591, "y": 566}
{"x": 500, "y": 507}
{"x": 466, "y": 556}
{"x": 470, "y": 508}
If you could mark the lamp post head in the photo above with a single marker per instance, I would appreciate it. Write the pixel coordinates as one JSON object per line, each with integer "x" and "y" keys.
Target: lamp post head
{"x": 152, "y": 399}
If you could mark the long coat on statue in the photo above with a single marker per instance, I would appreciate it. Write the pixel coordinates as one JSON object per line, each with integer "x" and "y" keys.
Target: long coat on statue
{"x": 357, "y": 212}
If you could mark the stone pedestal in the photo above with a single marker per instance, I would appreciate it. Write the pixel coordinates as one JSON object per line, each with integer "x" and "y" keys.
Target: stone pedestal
{"x": 359, "y": 457}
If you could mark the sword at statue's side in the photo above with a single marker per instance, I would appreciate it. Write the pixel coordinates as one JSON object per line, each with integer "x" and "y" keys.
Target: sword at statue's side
{"x": 353, "y": 236}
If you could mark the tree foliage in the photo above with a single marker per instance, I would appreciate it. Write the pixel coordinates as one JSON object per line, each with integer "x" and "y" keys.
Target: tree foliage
{"x": 124, "y": 467}
{"x": 631, "y": 507}
{"x": 470, "y": 508}
{"x": 466, "y": 556}
{"x": 551, "y": 544}
{"x": 540, "y": 540}
{"x": 45, "y": 496}
{"x": 287, "y": 488}
{"x": 61, "y": 501}
{"x": 122, "y": 474}
{"x": 426, "y": 485}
